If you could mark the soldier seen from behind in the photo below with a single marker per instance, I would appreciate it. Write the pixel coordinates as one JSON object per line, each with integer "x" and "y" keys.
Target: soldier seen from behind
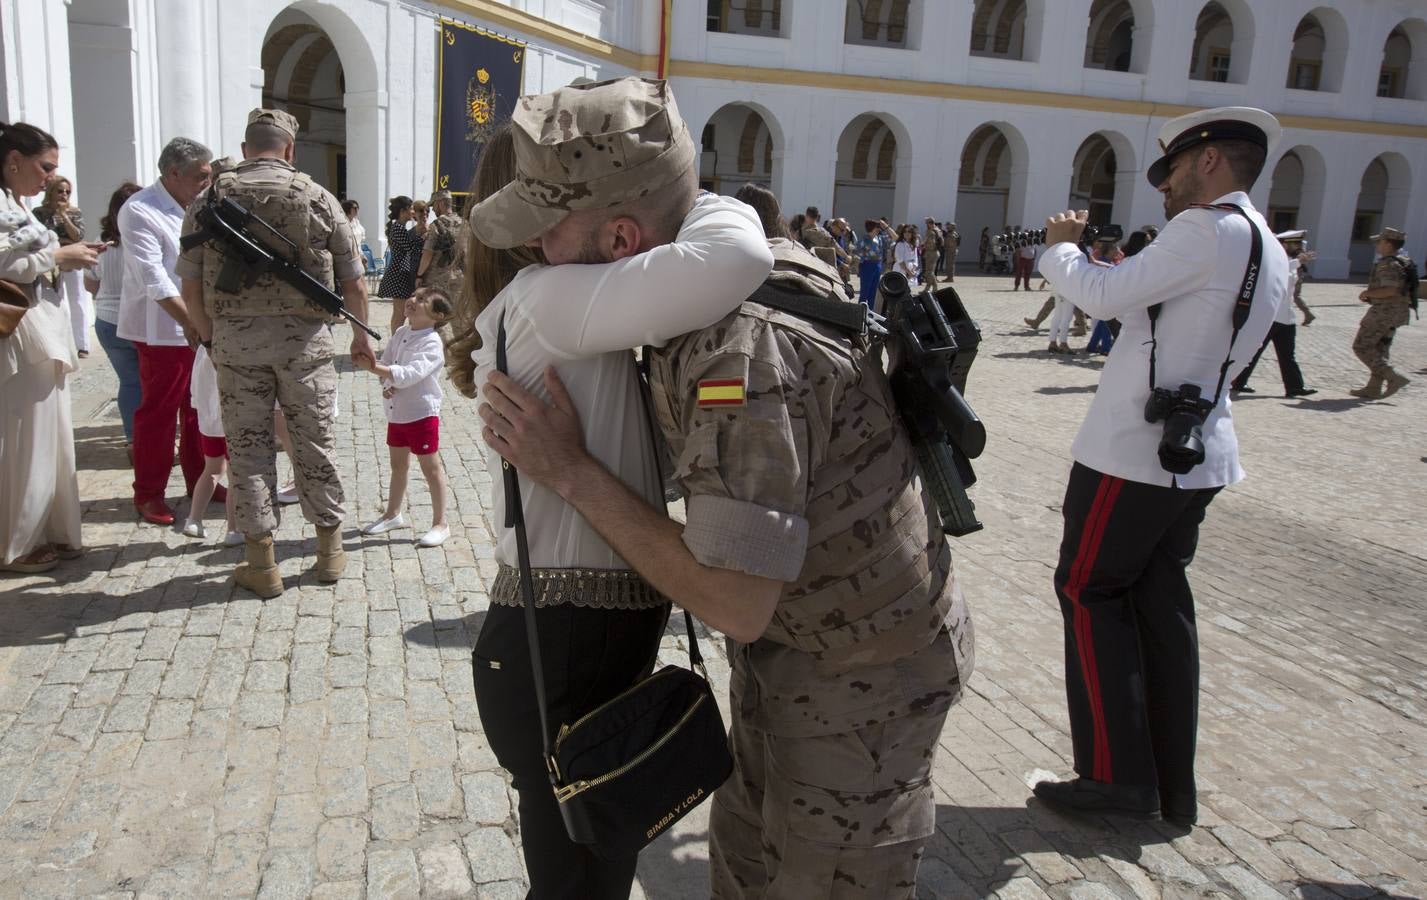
{"x": 269, "y": 344}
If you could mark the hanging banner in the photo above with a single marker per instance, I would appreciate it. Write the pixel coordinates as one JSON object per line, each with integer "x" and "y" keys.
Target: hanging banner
{"x": 479, "y": 77}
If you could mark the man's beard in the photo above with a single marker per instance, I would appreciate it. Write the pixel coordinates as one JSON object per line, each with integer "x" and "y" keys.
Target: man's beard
{"x": 1181, "y": 196}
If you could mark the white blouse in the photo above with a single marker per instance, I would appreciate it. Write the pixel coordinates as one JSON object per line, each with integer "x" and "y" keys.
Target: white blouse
{"x": 583, "y": 319}
{"x": 414, "y": 358}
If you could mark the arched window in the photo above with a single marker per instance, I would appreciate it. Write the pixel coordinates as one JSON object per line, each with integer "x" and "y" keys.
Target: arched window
{"x": 1110, "y": 39}
{"x": 1396, "y": 61}
{"x": 879, "y": 23}
{"x": 1213, "y": 42}
{"x": 1305, "y": 64}
{"x": 761, "y": 17}
{"x": 998, "y": 28}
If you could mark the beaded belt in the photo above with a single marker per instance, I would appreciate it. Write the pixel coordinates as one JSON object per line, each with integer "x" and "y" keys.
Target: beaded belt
{"x": 599, "y": 588}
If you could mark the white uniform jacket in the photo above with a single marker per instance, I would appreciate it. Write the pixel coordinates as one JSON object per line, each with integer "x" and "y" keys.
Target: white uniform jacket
{"x": 1195, "y": 269}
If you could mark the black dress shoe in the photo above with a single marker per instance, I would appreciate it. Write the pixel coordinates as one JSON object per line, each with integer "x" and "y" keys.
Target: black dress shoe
{"x": 1306, "y": 392}
{"x": 1178, "y": 809}
{"x": 1242, "y": 390}
{"x": 1084, "y": 795}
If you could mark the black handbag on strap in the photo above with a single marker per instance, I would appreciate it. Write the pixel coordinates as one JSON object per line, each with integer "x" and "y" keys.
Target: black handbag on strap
{"x": 633, "y": 766}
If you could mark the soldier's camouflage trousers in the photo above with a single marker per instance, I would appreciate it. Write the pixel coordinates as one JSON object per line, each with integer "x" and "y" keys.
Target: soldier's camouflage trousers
{"x": 260, "y": 359}
{"x": 839, "y": 816}
{"x": 1373, "y": 342}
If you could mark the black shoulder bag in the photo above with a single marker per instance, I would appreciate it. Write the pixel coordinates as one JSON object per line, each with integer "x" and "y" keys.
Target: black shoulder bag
{"x": 627, "y": 769}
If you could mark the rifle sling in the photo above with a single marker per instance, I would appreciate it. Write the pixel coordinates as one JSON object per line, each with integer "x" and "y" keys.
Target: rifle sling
{"x": 840, "y": 314}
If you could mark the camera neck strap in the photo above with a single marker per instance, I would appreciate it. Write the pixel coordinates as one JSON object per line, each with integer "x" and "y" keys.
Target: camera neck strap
{"x": 1242, "y": 303}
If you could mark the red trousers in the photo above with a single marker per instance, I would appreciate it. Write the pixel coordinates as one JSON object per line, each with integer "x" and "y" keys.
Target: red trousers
{"x": 163, "y": 381}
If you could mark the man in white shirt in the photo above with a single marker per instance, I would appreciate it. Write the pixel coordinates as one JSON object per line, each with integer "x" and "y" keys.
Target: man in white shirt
{"x": 1195, "y": 305}
{"x": 152, "y": 315}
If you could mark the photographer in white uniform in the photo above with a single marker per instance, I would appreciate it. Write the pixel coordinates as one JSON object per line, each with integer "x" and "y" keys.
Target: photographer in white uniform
{"x": 1195, "y": 305}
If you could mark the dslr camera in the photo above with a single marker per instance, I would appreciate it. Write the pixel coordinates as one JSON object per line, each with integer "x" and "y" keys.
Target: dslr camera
{"x": 1181, "y": 447}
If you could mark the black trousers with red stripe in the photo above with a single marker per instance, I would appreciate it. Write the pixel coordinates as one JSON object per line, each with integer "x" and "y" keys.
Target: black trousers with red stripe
{"x": 1131, "y": 646}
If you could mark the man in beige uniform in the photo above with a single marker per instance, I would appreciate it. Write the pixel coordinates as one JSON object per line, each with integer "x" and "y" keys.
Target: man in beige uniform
{"x": 269, "y": 342}
{"x": 443, "y": 258}
{"x": 810, "y": 542}
{"x": 1388, "y": 310}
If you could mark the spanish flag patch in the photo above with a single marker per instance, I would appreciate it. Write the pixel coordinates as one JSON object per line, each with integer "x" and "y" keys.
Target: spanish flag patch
{"x": 721, "y": 392}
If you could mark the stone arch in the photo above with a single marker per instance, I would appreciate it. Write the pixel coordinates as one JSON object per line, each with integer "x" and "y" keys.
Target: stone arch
{"x": 998, "y": 28}
{"x": 1320, "y": 51}
{"x": 745, "y": 146}
{"x": 315, "y": 59}
{"x": 872, "y": 154}
{"x": 1109, "y": 42}
{"x": 991, "y": 180}
{"x": 1100, "y": 171}
{"x": 1383, "y": 196}
{"x": 1404, "y": 62}
{"x": 881, "y": 23}
{"x": 1218, "y": 42}
{"x": 1296, "y": 190}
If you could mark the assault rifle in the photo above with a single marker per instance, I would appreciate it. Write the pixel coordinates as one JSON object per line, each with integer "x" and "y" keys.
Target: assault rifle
{"x": 931, "y": 342}
{"x": 233, "y": 231}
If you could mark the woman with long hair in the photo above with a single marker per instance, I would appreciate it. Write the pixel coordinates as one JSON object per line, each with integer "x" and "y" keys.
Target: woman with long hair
{"x": 905, "y": 258}
{"x": 599, "y": 622}
{"x": 67, "y": 222}
{"x": 104, "y": 280}
{"x": 39, "y": 490}
{"x": 399, "y": 282}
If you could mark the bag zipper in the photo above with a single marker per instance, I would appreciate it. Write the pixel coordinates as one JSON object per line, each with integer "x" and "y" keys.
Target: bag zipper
{"x": 567, "y": 792}
{"x": 566, "y": 728}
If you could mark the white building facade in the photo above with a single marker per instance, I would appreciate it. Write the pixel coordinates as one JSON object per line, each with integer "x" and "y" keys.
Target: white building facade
{"x": 984, "y": 112}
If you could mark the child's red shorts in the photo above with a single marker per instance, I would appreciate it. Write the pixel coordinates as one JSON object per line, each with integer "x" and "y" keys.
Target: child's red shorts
{"x": 421, "y": 437}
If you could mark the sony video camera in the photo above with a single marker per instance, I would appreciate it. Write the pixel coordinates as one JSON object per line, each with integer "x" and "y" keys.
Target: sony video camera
{"x": 1183, "y": 412}
{"x": 931, "y": 343}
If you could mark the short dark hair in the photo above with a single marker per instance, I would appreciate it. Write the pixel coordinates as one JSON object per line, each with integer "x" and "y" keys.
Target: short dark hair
{"x": 1245, "y": 159}
{"x": 396, "y": 205}
{"x": 812, "y": 213}
{"x": 441, "y": 305}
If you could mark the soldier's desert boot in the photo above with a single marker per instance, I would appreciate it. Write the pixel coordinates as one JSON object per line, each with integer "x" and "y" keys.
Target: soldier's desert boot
{"x": 1370, "y": 391}
{"x": 331, "y": 558}
{"x": 1395, "y": 383}
{"x": 258, "y": 571}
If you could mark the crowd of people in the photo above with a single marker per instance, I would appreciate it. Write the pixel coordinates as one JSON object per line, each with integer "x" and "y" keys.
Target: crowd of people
{"x": 809, "y": 538}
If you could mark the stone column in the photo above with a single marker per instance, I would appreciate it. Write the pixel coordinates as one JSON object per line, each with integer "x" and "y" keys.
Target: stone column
{"x": 181, "y": 77}
{"x": 367, "y": 178}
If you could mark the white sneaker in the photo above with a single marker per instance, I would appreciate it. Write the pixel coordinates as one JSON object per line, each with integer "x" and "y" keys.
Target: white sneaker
{"x": 233, "y": 539}
{"x": 288, "y": 495}
{"x": 435, "y": 537}
{"x": 194, "y": 529}
{"x": 382, "y": 526}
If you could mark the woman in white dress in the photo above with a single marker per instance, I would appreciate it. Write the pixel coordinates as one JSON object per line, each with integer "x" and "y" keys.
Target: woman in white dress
{"x": 39, "y": 491}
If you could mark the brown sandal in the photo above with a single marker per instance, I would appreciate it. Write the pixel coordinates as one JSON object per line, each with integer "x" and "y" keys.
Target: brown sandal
{"x": 32, "y": 563}
{"x": 65, "y": 551}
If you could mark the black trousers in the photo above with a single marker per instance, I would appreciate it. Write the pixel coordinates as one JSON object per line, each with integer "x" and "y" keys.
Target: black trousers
{"x": 1131, "y": 646}
{"x": 588, "y": 656}
{"x": 1285, "y": 338}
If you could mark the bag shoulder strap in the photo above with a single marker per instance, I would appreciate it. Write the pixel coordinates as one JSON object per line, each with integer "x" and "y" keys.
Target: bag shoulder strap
{"x": 515, "y": 519}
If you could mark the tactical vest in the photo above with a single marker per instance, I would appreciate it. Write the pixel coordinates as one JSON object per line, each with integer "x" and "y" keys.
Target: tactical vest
{"x": 284, "y": 198}
{"x": 876, "y": 583}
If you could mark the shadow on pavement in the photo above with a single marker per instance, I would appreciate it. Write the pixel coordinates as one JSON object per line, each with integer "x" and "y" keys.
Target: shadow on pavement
{"x": 1075, "y": 389}
{"x": 447, "y": 632}
{"x": 1329, "y": 405}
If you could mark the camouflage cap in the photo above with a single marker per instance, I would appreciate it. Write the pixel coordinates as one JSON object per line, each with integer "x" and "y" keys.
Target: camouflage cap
{"x": 223, "y": 164}
{"x": 587, "y": 146}
{"x": 275, "y": 117}
{"x": 1391, "y": 234}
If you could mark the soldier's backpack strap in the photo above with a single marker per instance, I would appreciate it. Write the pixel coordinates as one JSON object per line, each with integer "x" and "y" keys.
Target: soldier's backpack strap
{"x": 840, "y": 314}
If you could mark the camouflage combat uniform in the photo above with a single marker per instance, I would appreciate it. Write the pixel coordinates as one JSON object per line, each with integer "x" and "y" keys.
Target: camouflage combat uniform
{"x": 810, "y": 479}
{"x": 1374, "y": 338}
{"x": 271, "y": 343}
{"x": 446, "y": 239}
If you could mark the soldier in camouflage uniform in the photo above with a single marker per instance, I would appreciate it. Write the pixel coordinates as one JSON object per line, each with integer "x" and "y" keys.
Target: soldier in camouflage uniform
{"x": 443, "y": 259}
{"x": 811, "y": 542}
{"x": 268, "y": 342}
{"x": 1387, "y": 294}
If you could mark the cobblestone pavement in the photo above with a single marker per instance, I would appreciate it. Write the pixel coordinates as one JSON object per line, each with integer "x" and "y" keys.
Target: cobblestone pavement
{"x": 162, "y": 735}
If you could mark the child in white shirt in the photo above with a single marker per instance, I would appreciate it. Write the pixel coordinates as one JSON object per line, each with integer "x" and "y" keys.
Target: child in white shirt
{"x": 408, "y": 368}
{"x": 203, "y": 394}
